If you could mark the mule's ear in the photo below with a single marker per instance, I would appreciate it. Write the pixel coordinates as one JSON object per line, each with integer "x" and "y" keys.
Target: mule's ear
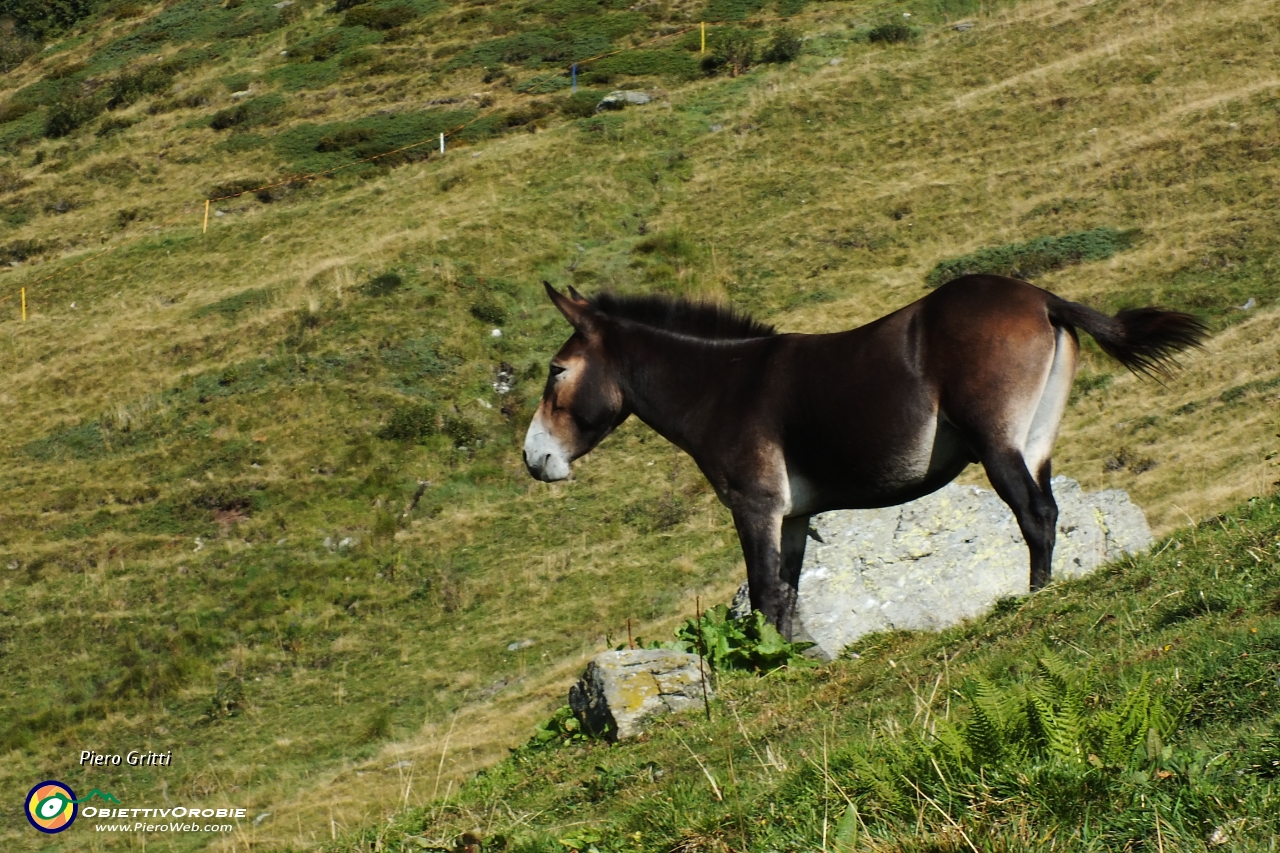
{"x": 577, "y": 311}
{"x": 576, "y": 296}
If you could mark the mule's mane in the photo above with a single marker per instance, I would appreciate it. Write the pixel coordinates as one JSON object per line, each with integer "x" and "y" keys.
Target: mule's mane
{"x": 705, "y": 320}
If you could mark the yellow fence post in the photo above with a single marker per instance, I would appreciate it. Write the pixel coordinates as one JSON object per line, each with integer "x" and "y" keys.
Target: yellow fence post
{"x": 704, "y": 36}
{"x": 24, "y": 305}
{"x": 206, "y": 217}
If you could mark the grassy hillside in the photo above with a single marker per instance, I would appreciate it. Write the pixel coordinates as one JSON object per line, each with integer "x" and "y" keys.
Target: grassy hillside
{"x": 1133, "y": 710}
{"x": 263, "y": 504}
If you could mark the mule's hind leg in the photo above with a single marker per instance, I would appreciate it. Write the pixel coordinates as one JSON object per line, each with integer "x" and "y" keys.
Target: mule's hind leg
{"x": 1032, "y": 504}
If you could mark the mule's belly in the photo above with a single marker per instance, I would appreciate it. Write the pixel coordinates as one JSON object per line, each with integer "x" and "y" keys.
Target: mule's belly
{"x": 916, "y": 466}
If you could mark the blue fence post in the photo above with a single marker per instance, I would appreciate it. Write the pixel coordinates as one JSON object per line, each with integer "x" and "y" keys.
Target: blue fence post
{"x": 574, "y": 72}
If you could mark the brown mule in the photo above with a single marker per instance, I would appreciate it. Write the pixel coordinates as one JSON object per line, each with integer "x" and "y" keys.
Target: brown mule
{"x": 788, "y": 425}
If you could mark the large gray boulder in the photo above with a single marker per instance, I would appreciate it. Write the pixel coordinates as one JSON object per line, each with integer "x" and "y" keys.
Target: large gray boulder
{"x": 620, "y": 690}
{"x": 944, "y": 558}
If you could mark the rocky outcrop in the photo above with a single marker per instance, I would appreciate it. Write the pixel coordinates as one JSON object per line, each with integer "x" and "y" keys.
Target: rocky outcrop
{"x": 621, "y": 689}
{"x": 949, "y": 556}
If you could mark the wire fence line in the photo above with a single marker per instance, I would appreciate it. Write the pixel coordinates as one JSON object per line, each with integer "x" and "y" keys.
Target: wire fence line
{"x": 529, "y": 88}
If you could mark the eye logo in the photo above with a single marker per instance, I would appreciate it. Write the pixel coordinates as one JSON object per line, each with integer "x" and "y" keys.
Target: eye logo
{"x": 51, "y": 807}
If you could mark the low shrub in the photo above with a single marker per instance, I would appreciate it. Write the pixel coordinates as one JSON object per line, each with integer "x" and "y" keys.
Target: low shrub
{"x": 750, "y": 643}
{"x": 784, "y": 46}
{"x": 233, "y": 306}
{"x": 350, "y": 137}
{"x": 384, "y": 284}
{"x": 489, "y": 311}
{"x": 253, "y": 112}
{"x": 113, "y": 125}
{"x": 69, "y": 114}
{"x": 379, "y": 17}
{"x": 894, "y": 32}
{"x": 131, "y": 87}
{"x": 732, "y": 49}
{"x": 14, "y": 110}
{"x": 410, "y": 423}
{"x": 462, "y": 432}
{"x": 1036, "y": 257}
{"x": 21, "y": 250}
{"x": 581, "y": 104}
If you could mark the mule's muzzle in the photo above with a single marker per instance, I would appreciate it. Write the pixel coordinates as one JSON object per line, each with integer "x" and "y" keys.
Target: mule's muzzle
{"x": 544, "y": 457}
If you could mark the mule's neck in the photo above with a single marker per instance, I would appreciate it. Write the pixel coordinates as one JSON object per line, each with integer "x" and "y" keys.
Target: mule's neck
{"x": 684, "y": 387}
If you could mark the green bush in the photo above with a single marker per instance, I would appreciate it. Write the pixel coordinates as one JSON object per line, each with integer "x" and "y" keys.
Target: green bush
{"x": 231, "y": 307}
{"x": 40, "y": 19}
{"x": 731, "y": 10}
{"x": 581, "y": 104}
{"x": 563, "y": 727}
{"x": 379, "y": 17}
{"x": 410, "y": 423}
{"x": 462, "y": 432}
{"x": 489, "y": 311}
{"x": 131, "y": 87}
{"x": 1036, "y": 257}
{"x": 69, "y": 114}
{"x": 749, "y": 643}
{"x": 253, "y": 112}
{"x": 14, "y": 109}
{"x": 784, "y": 46}
{"x": 894, "y": 32}
{"x": 14, "y": 50}
{"x": 659, "y": 62}
{"x": 113, "y": 125}
{"x": 730, "y": 48}
{"x": 384, "y": 284}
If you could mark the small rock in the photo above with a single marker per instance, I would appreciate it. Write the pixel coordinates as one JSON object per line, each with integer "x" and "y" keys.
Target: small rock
{"x": 260, "y": 818}
{"x": 1249, "y": 305}
{"x": 199, "y": 544}
{"x": 836, "y": 60}
{"x": 219, "y": 212}
{"x": 496, "y": 333}
{"x": 620, "y": 690}
{"x": 963, "y": 26}
{"x": 620, "y": 99}
{"x": 243, "y": 93}
{"x": 282, "y": 4}
{"x": 505, "y": 380}
{"x": 348, "y": 542}
{"x": 328, "y": 542}
{"x": 518, "y": 645}
{"x": 716, "y": 128}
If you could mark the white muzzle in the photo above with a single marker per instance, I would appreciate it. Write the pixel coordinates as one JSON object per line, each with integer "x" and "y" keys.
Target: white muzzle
{"x": 543, "y": 455}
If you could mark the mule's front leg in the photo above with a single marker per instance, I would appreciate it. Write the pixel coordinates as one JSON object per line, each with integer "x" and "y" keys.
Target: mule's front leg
{"x": 774, "y": 551}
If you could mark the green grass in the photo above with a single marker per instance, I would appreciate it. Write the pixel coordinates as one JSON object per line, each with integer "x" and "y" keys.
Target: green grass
{"x": 1034, "y": 258}
{"x": 1132, "y": 708}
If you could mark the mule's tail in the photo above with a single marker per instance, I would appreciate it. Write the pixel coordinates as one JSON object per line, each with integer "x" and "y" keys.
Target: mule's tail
{"x": 1142, "y": 339}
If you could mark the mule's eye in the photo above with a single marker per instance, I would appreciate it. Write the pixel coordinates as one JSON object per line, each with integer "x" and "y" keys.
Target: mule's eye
{"x": 556, "y": 370}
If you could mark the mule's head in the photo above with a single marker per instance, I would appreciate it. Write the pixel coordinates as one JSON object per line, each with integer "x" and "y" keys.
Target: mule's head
{"x": 582, "y": 402}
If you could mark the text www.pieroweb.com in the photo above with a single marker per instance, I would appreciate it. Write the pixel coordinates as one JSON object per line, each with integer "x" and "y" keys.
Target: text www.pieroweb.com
{"x": 167, "y": 826}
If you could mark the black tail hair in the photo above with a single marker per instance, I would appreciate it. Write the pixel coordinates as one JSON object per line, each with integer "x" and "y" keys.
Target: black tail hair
{"x": 1144, "y": 340}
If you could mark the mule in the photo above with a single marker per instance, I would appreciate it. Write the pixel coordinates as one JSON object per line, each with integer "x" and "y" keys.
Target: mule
{"x": 784, "y": 426}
